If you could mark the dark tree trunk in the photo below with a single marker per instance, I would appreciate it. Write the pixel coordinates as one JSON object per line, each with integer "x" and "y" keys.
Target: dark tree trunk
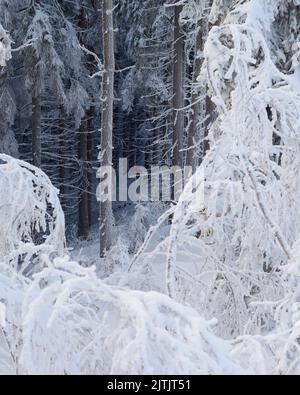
{"x": 36, "y": 130}
{"x": 106, "y": 157}
{"x": 178, "y": 89}
{"x": 84, "y": 223}
{"x": 194, "y": 130}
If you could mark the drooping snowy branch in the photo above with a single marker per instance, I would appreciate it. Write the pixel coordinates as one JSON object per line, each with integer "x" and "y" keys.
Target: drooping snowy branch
{"x": 32, "y": 221}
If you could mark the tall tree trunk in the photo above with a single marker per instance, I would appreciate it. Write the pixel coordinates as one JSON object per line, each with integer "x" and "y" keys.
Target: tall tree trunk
{"x": 210, "y": 111}
{"x": 178, "y": 89}
{"x": 106, "y": 214}
{"x": 194, "y": 130}
{"x": 62, "y": 161}
{"x": 84, "y": 223}
{"x": 90, "y": 144}
{"x": 36, "y": 130}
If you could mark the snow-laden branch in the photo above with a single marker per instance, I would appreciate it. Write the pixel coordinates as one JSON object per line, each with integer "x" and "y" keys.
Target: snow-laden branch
{"x": 99, "y": 73}
{"x": 5, "y": 47}
{"x": 32, "y": 220}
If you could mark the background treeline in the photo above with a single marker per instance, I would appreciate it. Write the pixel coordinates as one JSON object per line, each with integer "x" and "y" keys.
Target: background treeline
{"x": 50, "y": 106}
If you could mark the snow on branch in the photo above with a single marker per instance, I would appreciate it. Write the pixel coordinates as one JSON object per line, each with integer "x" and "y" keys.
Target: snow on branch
{"x": 5, "y": 47}
{"x": 31, "y": 218}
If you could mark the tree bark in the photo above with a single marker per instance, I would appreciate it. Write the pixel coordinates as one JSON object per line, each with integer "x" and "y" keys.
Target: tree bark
{"x": 36, "y": 130}
{"x": 210, "y": 110}
{"x": 178, "y": 89}
{"x": 62, "y": 165}
{"x": 106, "y": 214}
{"x": 194, "y": 130}
{"x": 90, "y": 147}
{"x": 84, "y": 223}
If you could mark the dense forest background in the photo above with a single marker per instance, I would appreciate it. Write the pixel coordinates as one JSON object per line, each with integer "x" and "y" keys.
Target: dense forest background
{"x": 51, "y": 108}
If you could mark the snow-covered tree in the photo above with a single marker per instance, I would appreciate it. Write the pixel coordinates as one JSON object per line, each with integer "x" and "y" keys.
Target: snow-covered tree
{"x": 245, "y": 219}
{"x": 236, "y": 222}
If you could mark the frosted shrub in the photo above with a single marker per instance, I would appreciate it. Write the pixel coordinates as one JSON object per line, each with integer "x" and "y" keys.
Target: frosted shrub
{"x": 288, "y": 319}
{"x": 116, "y": 260}
{"x": 74, "y": 323}
{"x": 277, "y": 352}
{"x": 12, "y": 287}
{"x": 31, "y": 218}
{"x": 145, "y": 216}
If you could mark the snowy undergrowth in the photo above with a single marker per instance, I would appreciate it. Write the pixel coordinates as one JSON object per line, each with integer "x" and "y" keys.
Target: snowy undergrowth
{"x": 71, "y": 322}
{"x": 11, "y": 298}
{"x": 68, "y": 321}
{"x": 74, "y": 323}
{"x": 132, "y": 224}
{"x": 62, "y": 318}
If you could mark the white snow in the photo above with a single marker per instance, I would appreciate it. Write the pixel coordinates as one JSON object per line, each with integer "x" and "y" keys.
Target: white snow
{"x": 5, "y": 47}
